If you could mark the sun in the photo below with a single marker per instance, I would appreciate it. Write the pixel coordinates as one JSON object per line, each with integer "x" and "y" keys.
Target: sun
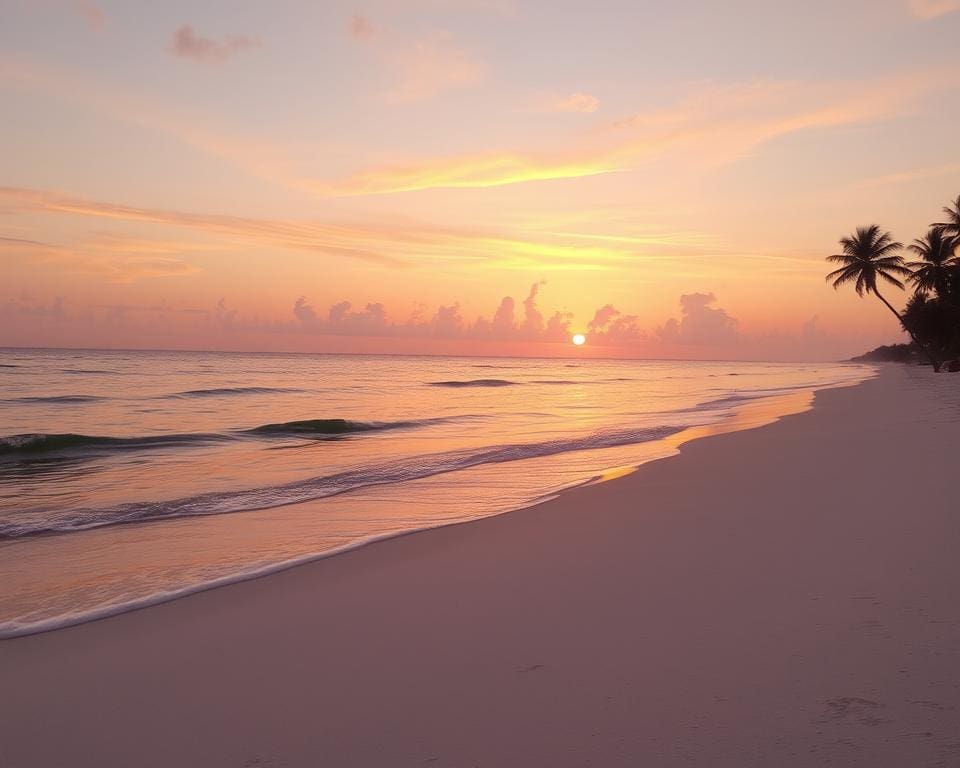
{"x": 579, "y": 339}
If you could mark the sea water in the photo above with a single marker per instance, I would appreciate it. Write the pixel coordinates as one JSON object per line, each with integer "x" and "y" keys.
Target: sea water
{"x": 127, "y": 478}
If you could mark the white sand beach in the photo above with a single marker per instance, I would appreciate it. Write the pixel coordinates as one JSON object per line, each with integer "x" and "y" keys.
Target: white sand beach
{"x": 783, "y": 596}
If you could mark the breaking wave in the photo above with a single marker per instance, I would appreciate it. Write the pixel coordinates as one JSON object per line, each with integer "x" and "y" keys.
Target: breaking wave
{"x": 222, "y": 391}
{"x": 44, "y": 443}
{"x": 323, "y": 486}
{"x": 475, "y": 383}
{"x": 58, "y": 399}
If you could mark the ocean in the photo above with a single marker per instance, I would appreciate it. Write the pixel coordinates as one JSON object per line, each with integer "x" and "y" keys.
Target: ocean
{"x": 129, "y": 478}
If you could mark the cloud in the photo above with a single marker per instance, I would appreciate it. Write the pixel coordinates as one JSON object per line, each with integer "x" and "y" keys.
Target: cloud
{"x": 264, "y": 159}
{"x": 121, "y": 313}
{"x": 92, "y": 13}
{"x": 610, "y": 325}
{"x": 341, "y": 320}
{"x": 931, "y": 9}
{"x": 189, "y": 45}
{"x": 905, "y": 177}
{"x": 575, "y": 102}
{"x": 446, "y": 323}
{"x": 533, "y": 317}
{"x": 700, "y": 323}
{"x": 385, "y": 243}
{"x": 361, "y": 28}
{"x": 417, "y": 68}
{"x": 115, "y": 259}
{"x": 466, "y": 171}
{"x": 28, "y": 307}
{"x": 293, "y": 235}
{"x": 558, "y": 326}
{"x": 602, "y": 318}
{"x": 430, "y": 67}
{"x": 702, "y": 332}
{"x": 714, "y": 125}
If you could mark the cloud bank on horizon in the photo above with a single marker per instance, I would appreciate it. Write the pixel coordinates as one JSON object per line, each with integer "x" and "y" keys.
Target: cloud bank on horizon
{"x": 702, "y": 330}
{"x": 172, "y": 162}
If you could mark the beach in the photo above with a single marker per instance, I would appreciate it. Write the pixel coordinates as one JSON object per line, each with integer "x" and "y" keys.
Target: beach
{"x": 779, "y": 596}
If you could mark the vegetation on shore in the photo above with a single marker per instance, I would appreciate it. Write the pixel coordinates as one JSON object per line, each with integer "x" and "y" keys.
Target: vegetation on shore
{"x": 888, "y": 353}
{"x": 871, "y": 257}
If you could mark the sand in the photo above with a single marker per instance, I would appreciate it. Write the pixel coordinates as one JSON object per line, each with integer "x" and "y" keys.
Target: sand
{"x": 783, "y": 596}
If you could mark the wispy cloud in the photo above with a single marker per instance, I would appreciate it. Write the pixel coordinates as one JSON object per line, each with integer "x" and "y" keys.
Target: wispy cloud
{"x": 419, "y": 68}
{"x": 931, "y": 9}
{"x": 115, "y": 259}
{"x": 469, "y": 171}
{"x": 905, "y": 177}
{"x": 267, "y": 160}
{"x": 715, "y": 125}
{"x": 361, "y": 28}
{"x": 302, "y": 236}
{"x": 188, "y": 44}
{"x": 91, "y": 12}
{"x": 430, "y": 67}
{"x": 385, "y": 243}
{"x": 574, "y": 102}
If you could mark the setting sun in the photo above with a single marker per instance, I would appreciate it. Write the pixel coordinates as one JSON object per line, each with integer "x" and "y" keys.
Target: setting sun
{"x": 579, "y": 339}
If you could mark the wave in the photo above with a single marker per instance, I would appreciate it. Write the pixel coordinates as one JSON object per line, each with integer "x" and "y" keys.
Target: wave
{"x": 82, "y": 371}
{"x": 324, "y": 486}
{"x": 334, "y": 426}
{"x": 68, "y": 441}
{"x": 750, "y": 395}
{"x": 57, "y": 399}
{"x": 217, "y": 391}
{"x": 9, "y": 365}
{"x": 722, "y": 402}
{"x": 42, "y": 443}
{"x": 475, "y": 383}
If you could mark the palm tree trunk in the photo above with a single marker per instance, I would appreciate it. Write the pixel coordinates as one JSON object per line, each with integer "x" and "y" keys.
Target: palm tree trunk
{"x": 926, "y": 351}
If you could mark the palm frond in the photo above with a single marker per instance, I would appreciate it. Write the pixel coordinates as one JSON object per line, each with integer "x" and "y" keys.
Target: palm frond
{"x": 868, "y": 254}
{"x": 844, "y": 274}
{"x": 862, "y": 284}
{"x": 841, "y": 258}
{"x": 891, "y": 279}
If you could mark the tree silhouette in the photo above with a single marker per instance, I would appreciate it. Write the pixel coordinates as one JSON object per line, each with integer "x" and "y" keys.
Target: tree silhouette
{"x": 870, "y": 255}
{"x": 935, "y": 269}
{"x": 952, "y": 225}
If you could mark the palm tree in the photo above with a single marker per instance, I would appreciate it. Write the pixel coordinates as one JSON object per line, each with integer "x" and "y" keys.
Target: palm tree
{"x": 934, "y": 270}
{"x": 952, "y": 225}
{"x": 868, "y": 255}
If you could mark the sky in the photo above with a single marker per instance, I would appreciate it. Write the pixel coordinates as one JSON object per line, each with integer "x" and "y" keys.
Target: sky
{"x": 465, "y": 176}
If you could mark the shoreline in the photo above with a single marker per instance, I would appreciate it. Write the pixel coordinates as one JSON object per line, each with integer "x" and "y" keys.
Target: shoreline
{"x": 752, "y": 415}
{"x": 779, "y": 596}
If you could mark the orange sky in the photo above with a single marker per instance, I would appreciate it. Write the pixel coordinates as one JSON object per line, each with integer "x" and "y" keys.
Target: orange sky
{"x": 465, "y": 176}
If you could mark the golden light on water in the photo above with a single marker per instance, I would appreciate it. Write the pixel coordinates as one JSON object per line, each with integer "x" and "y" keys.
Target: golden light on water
{"x": 579, "y": 339}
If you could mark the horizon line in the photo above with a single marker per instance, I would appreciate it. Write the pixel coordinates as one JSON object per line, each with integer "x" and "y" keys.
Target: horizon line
{"x": 6, "y": 348}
